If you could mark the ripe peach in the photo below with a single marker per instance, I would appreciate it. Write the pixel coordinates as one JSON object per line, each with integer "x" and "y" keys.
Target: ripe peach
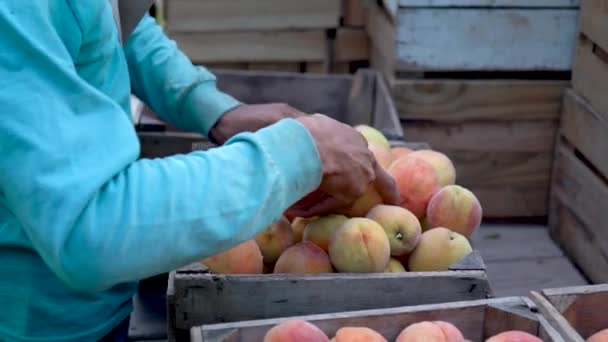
{"x": 440, "y": 162}
{"x": 383, "y": 155}
{"x": 275, "y": 239}
{"x": 421, "y": 332}
{"x": 358, "y": 334}
{"x": 295, "y": 331}
{"x": 400, "y": 151}
{"x": 321, "y": 230}
{"x": 363, "y": 204}
{"x": 245, "y": 258}
{"x": 360, "y": 246}
{"x": 304, "y": 257}
{"x": 514, "y": 336}
{"x": 394, "y": 266}
{"x": 456, "y": 208}
{"x": 417, "y": 182}
{"x": 401, "y": 226}
{"x": 373, "y": 135}
{"x": 438, "y": 249}
{"x": 298, "y": 225}
{"x": 451, "y": 333}
{"x": 600, "y": 336}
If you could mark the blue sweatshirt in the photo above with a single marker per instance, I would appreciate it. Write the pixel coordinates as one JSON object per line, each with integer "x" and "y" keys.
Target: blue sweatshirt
{"x": 81, "y": 218}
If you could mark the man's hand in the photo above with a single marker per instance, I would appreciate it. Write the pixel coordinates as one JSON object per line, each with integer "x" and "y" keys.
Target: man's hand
{"x": 250, "y": 118}
{"x": 348, "y": 168}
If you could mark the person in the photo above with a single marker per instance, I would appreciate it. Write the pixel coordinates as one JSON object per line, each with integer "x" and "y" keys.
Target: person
{"x": 83, "y": 218}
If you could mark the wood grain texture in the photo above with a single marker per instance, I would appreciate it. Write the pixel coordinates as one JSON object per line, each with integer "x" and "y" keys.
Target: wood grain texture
{"x": 354, "y": 12}
{"x": 485, "y": 39}
{"x": 593, "y": 21}
{"x": 383, "y": 38}
{"x": 555, "y": 318}
{"x": 288, "y": 67}
{"x": 352, "y": 44}
{"x": 586, "y": 130}
{"x": 252, "y": 46}
{"x": 590, "y": 76}
{"x": 473, "y": 318}
{"x": 243, "y": 15}
{"x": 488, "y": 100}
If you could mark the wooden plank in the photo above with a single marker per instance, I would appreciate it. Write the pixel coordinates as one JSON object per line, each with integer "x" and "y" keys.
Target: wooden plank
{"x": 252, "y": 46}
{"x": 499, "y": 39}
{"x": 354, "y": 12}
{"x": 227, "y": 66}
{"x": 498, "y": 242}
{"x": 243, "y": 15}
{"x": 383, "y": 38}
{"x": 490, "y": 3}
{"x": 352, "y": 44}
{"x": 289, "y": 67}
{"x": 555, "y": 318}
{"x": 593, "y": 21}
{"x": 519, "y": 277}
{"x": 590, "y": 75}
{"x": 586, "y": 130}
{"x": 215, "y": 298}
{"x": 460, "y": 100}
{"x": 509, "y": 202}
{"x": 471, "y": 318}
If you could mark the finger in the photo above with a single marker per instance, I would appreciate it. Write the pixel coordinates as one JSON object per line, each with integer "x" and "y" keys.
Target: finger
{"x": 292, "y": 112}
{"x": 386, "y": 186}
{"x": 323, "y": 207}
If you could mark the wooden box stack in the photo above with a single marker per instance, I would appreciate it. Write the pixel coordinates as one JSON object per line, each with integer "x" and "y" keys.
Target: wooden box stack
{"x": 317, "y": 36}
{"x": 579, "y": 196}
{"x": 482, "y": 81}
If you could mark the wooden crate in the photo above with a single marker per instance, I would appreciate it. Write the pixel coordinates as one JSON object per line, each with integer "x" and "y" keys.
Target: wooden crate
{"x": 354, "y": 99}
{"x": 197, "y": 297}
{"x": 499, "y": 133}
{"x": 590, "y": 71}
{"x": 477, "y": 320}
{"x": 576, "y": 313}
{"x": 579, "y": 190}
{"x": 472, "y": 35}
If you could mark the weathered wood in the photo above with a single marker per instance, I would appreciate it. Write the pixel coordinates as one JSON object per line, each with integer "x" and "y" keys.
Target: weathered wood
{"x": 575, "y": 312}
{"x": 590, "y": 74}
{"x": 227, "y": 66}
{"x": 383, "y": 38}
{"x": 470, "y": 317}
{"x": 490, "y": 3}
{"x": 352, "y": 44}
{"x": 593, "y": 21}
{"x": 586, "y": 130}
{"x": 288, "y": 67}
{"x": 354, "y": 12}
{"x": 483, "y": 100}
{"x": 252, "y": 46}
{"x": 243, "y": 15}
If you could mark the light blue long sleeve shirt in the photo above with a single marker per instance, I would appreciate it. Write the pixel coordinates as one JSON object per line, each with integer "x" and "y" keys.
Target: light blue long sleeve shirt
{"x": 81, "y": 218}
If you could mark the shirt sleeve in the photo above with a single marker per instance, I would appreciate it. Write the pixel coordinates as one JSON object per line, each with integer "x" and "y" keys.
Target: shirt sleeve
{"x": 98, "y": 215}
{"x": 164, "y": 78}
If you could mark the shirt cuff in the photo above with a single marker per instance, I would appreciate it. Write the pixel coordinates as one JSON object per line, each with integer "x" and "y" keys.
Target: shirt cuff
{"x": 204, "y": 106}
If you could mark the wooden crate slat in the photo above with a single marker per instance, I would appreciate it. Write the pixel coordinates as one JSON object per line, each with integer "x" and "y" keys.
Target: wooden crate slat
{"x": 352, "y": 44}
{"x": 593, "y": 21}
{"x": 449, "y": 39}
{"x": 354, "y": 12}
{"x": 288, "y": 67}
{"x": 489, "y": 3}
{"x": 466, "y": 100}
{"x": 383, "y": 38}
{"x": 590, "y": 76}
{"x": 243, "y": 15}
{"x": 253, "y": 46}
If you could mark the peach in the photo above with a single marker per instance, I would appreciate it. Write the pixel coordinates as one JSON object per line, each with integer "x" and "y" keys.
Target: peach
{"x": 363, "y": 204}
{"x": 298, "y": 225}
{"x": 514, "y": 336}
{"x": 422, "y": 332}
{"x": 275, "y": 239}
{"x": 394, "y": 266}
{"x": 438, "y": 249}
{"x": 295, "y": 330}
{"x": 373, "y": 135}
{"x": 401, "y": 226}
{"x": 456, "y": 208}
{"x": 321, "y": 230}
{"x": 417, "y": 182}
{"x": 359, "y": 246}
{"x": 440, "y": 162}
{"x": 383, "y": 155}
{"x": 245, "y": 258}
{"x": 451, "y": 333}
{"x": 600, "y": 336}
{"x": 400, "y": 151}
{"x": 303, "y": 258}
{"x": 358, "y": 334}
